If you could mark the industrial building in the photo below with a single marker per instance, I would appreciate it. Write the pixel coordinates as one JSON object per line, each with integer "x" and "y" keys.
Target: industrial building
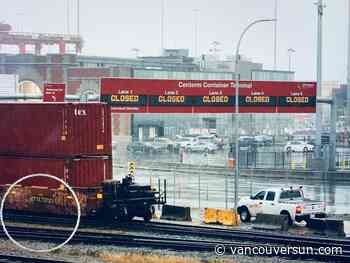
{"x": 82, "y": 73}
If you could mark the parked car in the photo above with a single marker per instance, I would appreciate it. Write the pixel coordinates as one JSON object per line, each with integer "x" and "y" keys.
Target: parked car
{"x": 298, "y": 146}
{"x": 247, "y": 143}
{"x": 278, "y": 201}
{"x": 263, "y": 140}
{"x": 182, "y": 141}
{"x": 156, "y": 146}
{"x": 198, "y": 146}
{"x": 165, "y": 143}
{"x": 137, "y": 147}
{"x": 212, "y": 138}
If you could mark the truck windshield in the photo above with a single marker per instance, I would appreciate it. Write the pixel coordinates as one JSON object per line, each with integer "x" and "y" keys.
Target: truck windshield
{"x": 292, "y": 194}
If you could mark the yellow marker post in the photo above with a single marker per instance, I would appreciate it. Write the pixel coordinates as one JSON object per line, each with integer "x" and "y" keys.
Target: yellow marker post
{"x": 304, "y": 164}
{"x": 292, "y": 165}
{"x": 131, "y": 168}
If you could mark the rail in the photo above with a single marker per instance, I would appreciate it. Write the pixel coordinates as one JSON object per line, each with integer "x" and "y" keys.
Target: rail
{"x": 208, "y": 242}
{"x": 4, "y": 258}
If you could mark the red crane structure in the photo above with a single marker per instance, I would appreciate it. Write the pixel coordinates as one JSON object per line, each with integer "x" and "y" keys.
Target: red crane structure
{"x": 38, "y": 40}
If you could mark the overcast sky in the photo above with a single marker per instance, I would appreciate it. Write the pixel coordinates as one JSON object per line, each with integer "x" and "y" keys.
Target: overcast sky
{"x": 113, "y": 28}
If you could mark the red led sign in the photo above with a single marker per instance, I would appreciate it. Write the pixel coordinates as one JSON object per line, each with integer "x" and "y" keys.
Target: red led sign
{"x": 207, "y": 96}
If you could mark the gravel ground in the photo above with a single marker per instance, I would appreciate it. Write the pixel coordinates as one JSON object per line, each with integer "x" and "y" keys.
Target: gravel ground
{"x": 108, "y": 230}
{"x": 88, "y": 253}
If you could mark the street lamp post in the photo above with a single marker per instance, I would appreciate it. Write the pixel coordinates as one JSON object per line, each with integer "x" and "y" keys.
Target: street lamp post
{"x": 237, "y": 58}
{"x": 318, "y": 124}
{"x": 275, "y": 38}
{"x": 78, "y": 17}
{"x": 195, "y": 11}
{"x": 290, "y": 51}
{"x": 162, "y": 27}
{"x": 20, "y": 18}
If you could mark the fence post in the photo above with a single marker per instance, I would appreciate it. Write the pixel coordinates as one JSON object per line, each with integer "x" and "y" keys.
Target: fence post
{"x": 160, "y": 192}
{"x": 207, "y": 193}
{"x": 251, "y": 187}
{"x": 174, "y": 188}
{"x": 226, "y": 191}
{"x": 199, "y": 191}
{"x": 255, "y": 159}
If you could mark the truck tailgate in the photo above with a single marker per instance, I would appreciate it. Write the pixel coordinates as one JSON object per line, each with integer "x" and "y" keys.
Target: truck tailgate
{"x": 313, "y": 207}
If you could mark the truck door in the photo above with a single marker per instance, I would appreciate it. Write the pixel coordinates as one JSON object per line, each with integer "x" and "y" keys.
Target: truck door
{"x": 269, "y": 206}
{"x": 256, "y": 204}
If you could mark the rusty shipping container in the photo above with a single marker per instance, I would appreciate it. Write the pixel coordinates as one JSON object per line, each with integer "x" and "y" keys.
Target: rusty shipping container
{"x": 86, "y": 172}
{"x": 55, "y": 129}
{"x": 52, "y": 201}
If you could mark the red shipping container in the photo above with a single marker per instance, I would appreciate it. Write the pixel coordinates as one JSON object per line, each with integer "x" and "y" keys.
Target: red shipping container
{"x": 55, "y": 129}
{"x": 87, "y": 172}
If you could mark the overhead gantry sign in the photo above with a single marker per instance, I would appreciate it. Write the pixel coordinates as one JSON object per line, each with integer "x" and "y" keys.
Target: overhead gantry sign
{"x": 207, "y": 96}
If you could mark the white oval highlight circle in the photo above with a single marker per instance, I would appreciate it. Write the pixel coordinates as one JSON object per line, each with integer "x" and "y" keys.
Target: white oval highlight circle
{"x": 3, "y": 204}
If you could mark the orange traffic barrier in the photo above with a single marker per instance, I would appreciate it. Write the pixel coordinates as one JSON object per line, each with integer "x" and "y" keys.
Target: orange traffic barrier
{"x": 231, "y": 163}
{"x": 210, "y": 216}
{"x": 225, "y": 217}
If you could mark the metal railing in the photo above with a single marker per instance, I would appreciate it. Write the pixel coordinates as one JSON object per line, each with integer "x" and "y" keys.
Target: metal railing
{"x": 249, "y": 160}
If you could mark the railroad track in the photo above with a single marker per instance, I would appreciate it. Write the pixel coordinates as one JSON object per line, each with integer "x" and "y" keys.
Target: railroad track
{"x": 180, "y": 244}
{"x": 19, "y": 259}
{"x": 179, "y": 229}
{"x": 207, "y": 232}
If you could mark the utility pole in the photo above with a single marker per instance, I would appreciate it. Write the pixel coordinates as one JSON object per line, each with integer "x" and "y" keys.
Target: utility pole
{"x": 318, "y": 121}
{"x": 275, "y": 39}
{"x": 68, "y": 24}
{"x": 290, "y": 51}
{"x": 348, "y": 75}
{"x": 195, "y": 32}
{"x": 162, "y": 27}
{"x": 78, "y": 17}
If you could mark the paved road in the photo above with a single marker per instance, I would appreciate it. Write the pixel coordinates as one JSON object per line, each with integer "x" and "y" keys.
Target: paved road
{"x": 183, "y": 188}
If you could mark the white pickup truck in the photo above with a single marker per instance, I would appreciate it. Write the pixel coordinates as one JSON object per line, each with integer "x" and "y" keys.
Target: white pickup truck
{"x": 279, "y": 201}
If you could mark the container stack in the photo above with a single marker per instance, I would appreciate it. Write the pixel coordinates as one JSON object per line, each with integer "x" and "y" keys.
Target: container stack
{"x": 71, "y": 141}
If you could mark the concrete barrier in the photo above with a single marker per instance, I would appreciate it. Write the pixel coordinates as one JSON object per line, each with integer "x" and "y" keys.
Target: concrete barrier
{"x": 226, "y": 217}
{"x": 347, "y": 227}
{"x": 329, "y": 226}
{"x": 271, "y": 222}
{"x": 177, "y": 213}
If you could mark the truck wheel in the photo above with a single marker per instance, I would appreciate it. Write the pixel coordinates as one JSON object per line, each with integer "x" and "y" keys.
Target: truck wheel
{"x": 289, "y": 149}
{"x": 147, "y": 216}
{"x": 244, "y": 215}
{"x": 288, "y": 218}
{"x": 307, "y": 221}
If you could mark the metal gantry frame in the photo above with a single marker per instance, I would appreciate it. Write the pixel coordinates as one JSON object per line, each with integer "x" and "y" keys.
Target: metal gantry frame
{"x": 333, "y": 129}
